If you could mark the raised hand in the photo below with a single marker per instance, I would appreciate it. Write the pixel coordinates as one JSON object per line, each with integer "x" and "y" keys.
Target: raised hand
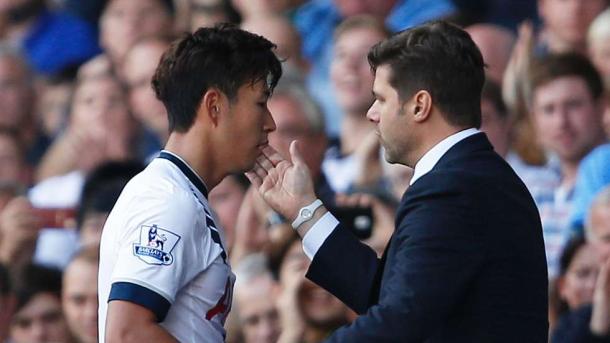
{"x": 285, "y": 185}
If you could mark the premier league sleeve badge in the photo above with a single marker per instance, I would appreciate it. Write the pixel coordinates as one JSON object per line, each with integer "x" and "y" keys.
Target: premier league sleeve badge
{"x": 155, "y": 245}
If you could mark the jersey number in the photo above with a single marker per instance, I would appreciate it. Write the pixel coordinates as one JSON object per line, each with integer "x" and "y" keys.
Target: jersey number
{"x": 223, "y": 306}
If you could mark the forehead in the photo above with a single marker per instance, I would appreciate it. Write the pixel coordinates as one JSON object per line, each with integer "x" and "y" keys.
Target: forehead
{"x": 38, "y": 304}
{"x": 133, "y": 5}
{"x": 94, "y": 85}
{"x": 562, "y": 88}
{"x": 360, "y": 36}
{"x": 383, "y": 74}
{"x": 284, "y": 108}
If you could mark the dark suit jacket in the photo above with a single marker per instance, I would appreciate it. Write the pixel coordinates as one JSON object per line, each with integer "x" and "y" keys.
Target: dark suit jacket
{"x": 466, "y": 262}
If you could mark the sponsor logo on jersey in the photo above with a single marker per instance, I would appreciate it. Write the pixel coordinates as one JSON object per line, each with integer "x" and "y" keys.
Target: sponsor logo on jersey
{"x": 155, "y": 245}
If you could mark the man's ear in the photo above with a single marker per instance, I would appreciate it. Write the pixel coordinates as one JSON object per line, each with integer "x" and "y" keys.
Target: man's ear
{"x": 421, "y": 106}
{"x": 211, "y": 105}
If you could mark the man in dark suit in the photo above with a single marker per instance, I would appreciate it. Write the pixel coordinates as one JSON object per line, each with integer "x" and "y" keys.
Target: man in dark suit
{"x": 466, "y": 262}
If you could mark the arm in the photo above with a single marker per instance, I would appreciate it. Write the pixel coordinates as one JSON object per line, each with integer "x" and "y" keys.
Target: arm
{"x": 429, "y": 270}
{"x": 128, "y": 322}
{"x": 287, "y": 186}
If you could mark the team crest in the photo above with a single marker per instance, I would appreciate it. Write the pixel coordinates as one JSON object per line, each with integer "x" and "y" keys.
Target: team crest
{"x": 156, "y": 245}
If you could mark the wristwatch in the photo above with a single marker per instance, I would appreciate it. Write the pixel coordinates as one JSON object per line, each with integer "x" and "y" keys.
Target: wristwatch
{"x": 306, "y": 213}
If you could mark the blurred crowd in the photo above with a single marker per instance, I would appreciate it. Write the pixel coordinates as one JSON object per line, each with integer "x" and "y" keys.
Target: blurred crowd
{"x": 78, "y": 119}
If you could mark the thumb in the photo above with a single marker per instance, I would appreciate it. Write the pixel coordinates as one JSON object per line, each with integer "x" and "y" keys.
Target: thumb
{"x": 295, "y": 154}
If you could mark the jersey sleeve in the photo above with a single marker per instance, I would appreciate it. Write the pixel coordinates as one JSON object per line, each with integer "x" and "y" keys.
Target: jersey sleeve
{"x": 165, "y": 244}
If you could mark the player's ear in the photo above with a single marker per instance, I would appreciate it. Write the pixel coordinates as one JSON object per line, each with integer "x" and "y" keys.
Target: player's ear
{"x": 211, "y": 105}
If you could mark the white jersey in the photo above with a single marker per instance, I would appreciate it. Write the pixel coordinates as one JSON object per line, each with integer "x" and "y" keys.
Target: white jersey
{"x": 162, "y": 249}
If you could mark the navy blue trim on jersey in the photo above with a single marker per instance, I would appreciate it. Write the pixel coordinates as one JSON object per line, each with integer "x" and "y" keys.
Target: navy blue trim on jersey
{"x": 142, "y": 296}
{"x": 209, "y": 221}
{"x": 186, "y": 170}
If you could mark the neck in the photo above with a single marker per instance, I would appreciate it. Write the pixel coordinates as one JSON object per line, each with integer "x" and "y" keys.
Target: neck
{"x": 428, "y": 141}
{"x": 569, "y": 170}
{"x": 353, "y": 128}
{"x": 198, "y": 155}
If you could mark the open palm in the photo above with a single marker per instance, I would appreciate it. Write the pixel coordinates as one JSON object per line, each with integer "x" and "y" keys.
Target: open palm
{"x": 285, "y": 185}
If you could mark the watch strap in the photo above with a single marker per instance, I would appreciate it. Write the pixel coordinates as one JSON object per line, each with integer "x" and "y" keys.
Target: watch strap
{"x": 306, "y": 213}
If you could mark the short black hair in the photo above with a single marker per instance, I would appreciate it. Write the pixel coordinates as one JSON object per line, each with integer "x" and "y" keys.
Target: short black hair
{"x": 555, "y": 66}
{"x": 32, "y": 280}
{"x": 103, "y": 186}
{"x": 223, "y": 57}
{"x": 493, "y": 93}
{"x": 440, "y": 58}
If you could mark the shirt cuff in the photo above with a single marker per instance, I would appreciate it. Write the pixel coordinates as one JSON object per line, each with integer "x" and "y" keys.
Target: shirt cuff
{"x": 317, "y": 234}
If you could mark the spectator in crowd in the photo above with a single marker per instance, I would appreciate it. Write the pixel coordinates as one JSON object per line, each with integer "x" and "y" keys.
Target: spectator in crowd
{"x": 7, "y": 303}
{"x": 308, "y": 313}
{"x": 79, "y": 295}
{"x": 598, "y": 44}
{"x": 591, "y": 323}
{"x": 255, "y": 300}
{"x": 566, "y": 24}
{"x": 280, "y": 31}
{"x": 352, "y": 81}
{"x": 17, "y": 99}
{"x": 38, "y": 317}
{"x": 100, "y": 128}
{"x": 593, "y": 176}
{"x": 124, "y": 22}
{"x": 495, "y": 121}
{"x": 496, "y": 44}
{"x": 567, "y": 112}
{"x": 137, "y": 70}
{"x": 578, "y": 269}
{"x": 52, "y": 41}
{"x": 53, "y": 95}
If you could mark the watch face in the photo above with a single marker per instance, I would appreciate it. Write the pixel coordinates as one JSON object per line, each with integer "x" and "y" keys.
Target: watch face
{"x": 306, "y": 213}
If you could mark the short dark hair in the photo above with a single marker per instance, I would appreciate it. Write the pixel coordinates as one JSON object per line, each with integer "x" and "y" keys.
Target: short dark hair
{"x": 223, "y": 57}
{"x": 32, "y": 280}
{"x": 103, "y": 186}
{"x": 554, "y": 66}
{"x": 440, "y": 58}
{"x": 493, "y": 93}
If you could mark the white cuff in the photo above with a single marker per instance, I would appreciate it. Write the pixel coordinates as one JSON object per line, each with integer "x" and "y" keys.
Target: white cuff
{"x": 317, "y": 234}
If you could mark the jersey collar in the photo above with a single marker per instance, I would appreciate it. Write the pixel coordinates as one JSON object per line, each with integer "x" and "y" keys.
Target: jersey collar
{"x": 186, "y": 170}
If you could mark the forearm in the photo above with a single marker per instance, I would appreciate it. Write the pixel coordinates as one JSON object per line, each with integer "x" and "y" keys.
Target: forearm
{"x": 129, "y": 322}
{"x": 151, "y": 332}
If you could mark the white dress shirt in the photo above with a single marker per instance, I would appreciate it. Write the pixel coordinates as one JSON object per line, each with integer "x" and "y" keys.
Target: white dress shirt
{"x": 315, "y": 237}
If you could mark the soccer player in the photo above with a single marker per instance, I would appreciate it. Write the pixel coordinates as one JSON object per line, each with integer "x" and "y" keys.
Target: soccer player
{"x": 164, "y": 273}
